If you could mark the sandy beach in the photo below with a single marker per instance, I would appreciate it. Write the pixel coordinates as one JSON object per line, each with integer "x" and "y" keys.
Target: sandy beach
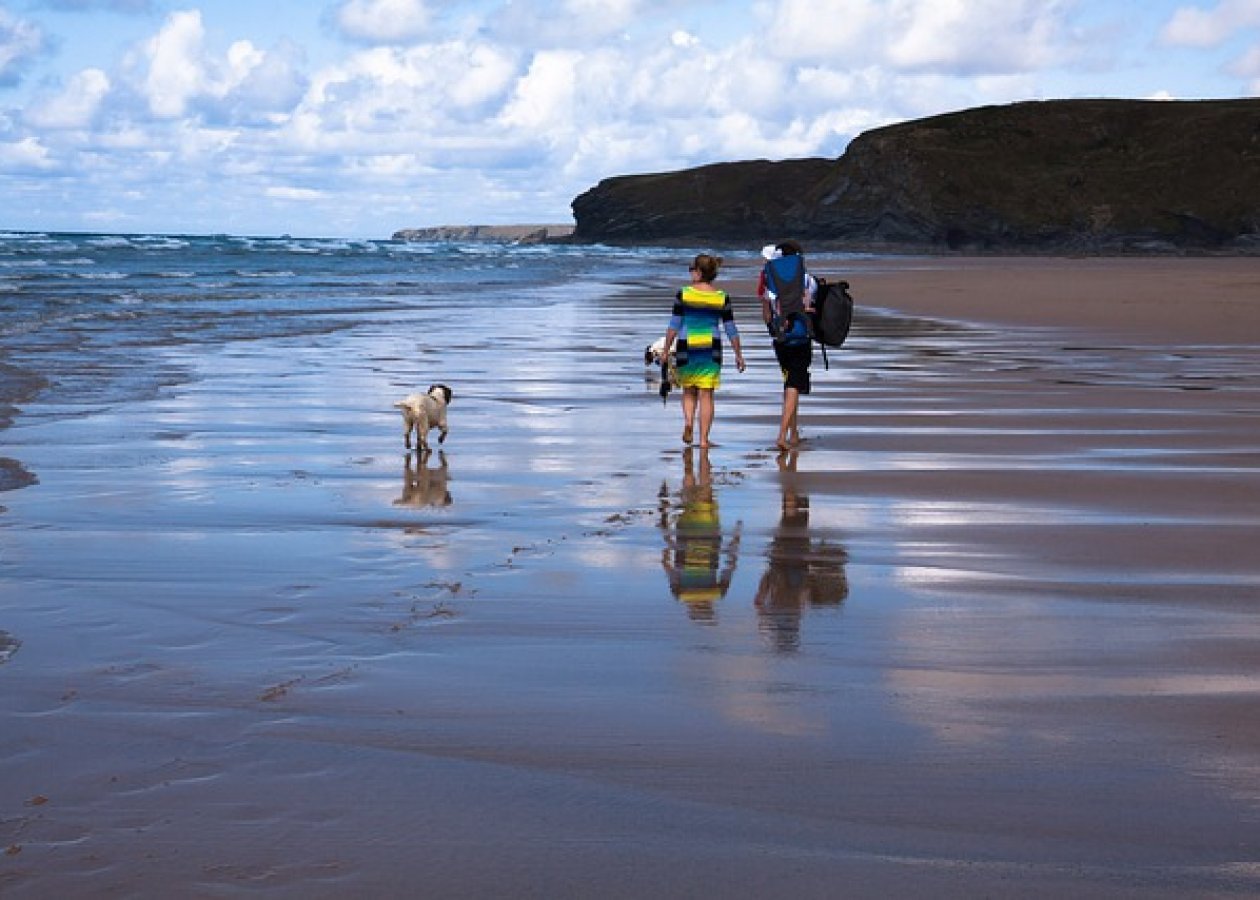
{"x": 991, "y": 632}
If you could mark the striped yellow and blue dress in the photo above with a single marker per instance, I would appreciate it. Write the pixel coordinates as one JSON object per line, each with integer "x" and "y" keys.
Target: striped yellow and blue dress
{"x": 699, "y": 319}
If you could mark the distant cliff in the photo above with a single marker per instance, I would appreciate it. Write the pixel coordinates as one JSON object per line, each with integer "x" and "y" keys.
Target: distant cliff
{"x": 726, "y": 201}
{"x": 1089, "y": 175}
{"x": 503, "y": 234}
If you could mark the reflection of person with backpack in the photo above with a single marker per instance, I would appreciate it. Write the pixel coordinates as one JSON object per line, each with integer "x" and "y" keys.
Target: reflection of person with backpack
{"x": 801, "y": 572}
{"x": 787, "y": 298}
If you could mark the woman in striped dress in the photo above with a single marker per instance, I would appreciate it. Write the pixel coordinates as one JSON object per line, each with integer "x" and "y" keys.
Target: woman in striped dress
{"x": 701, "y": 314}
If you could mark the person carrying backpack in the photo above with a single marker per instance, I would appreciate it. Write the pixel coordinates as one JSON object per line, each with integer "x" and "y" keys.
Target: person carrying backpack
{"x": 787, "y": 293}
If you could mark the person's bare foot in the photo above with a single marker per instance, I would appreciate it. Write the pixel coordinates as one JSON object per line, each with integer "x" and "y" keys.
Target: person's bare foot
{"x": 686, "y": 434}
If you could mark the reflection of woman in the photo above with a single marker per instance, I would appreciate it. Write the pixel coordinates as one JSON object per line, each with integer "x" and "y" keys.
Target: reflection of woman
{"x": 799, "y": 572}
{"x": 697, "y": 564}
{"x": 701, "y": 314}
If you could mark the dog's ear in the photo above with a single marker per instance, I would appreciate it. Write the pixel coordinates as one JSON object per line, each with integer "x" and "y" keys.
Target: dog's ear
{"x": 448, "y": 392}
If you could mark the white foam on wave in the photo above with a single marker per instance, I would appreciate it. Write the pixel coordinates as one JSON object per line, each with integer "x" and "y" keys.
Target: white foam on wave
{"x": 264, "y": 273}
{"x": 159, "y": 242}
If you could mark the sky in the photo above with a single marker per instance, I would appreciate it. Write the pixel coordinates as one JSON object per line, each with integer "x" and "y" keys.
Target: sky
{"x": 354, "y": 118}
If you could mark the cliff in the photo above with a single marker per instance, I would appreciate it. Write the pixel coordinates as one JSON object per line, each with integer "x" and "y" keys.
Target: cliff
{"x": 1092, "y": 175}
{"x": 725, "y": 201}
{"x": 504, "y": 234}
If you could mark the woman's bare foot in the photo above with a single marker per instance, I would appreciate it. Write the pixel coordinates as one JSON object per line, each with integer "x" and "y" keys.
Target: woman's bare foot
{"x": 686, "y": 434}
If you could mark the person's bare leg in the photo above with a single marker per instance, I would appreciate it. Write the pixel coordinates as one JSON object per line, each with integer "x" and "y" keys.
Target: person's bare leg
{"x": 788, "y": 434}
{"x": 689, "y": 412}
{"x": 706, "y": 418}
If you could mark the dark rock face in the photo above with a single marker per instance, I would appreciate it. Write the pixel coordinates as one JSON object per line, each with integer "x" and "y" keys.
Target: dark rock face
{"x": 725, "y": 201}
{"x": 1105, "y": 175}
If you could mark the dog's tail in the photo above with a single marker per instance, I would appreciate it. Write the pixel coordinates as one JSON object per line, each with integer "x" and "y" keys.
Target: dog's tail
{"x": 402, "y": 405}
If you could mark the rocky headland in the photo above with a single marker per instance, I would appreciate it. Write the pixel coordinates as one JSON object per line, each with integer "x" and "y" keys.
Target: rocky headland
{"x": 1079, "y": 175}
{"x": 502, "y": 234}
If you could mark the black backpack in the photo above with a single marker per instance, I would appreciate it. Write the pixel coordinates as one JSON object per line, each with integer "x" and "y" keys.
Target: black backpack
{"x": 833, "y": 314}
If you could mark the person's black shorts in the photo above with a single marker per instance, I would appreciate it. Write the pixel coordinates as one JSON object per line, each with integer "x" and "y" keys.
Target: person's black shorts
{"x": 794, "y": 360}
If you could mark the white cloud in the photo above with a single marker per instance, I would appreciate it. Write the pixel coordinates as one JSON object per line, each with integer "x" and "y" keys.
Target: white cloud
{"x": 27, "y": 153}
{"x": 123, "y": 6}
{"x": 544, "y": 98}
{"x": 429, "y": 99}
{"x": 181, "y": 77}
{"x": 572, "y": 24}
{"x": 292, "y": 193}
{"x": 75, "y": 106}
{"x": 1192, "y": 26}
{"x": 176, "y": 74}
{"x": 382, "y": 21}
{"x": 1248, "y": 67}
{"x": 956, "y": 36}
{"x": 486, "y": 73}
{"x": 20, "y": 42}
{"x": 850, "y": 36}
{"x": 105, "y": 217}
{"x": 975, "y": 36}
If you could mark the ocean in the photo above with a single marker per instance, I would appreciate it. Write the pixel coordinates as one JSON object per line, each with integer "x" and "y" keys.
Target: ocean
{"x": 93, "y": 313}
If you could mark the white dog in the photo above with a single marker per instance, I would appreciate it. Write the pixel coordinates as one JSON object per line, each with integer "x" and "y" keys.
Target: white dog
{"x": 652, "y": 357}
{"x": 423, "y": 412}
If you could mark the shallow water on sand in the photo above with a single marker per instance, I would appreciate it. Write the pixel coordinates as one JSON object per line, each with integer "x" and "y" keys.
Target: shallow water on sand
{"x": 995, "y": 621}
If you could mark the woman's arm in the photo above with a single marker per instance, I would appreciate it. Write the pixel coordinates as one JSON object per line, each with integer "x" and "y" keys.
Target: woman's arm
{"x": 732, "y": 334}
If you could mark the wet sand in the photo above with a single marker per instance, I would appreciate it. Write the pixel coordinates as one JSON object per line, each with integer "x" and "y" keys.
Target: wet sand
{"x": 991, "y": 632}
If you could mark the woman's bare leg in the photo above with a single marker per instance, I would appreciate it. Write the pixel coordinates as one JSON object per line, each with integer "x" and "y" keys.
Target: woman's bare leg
{"x": 706, "y": 417}
{"x": 689, "y": 412}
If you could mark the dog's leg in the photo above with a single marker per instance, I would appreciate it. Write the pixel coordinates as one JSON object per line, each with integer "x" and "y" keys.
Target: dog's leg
{"x": 442, "y": 428}
{"x": 406, "y": 434}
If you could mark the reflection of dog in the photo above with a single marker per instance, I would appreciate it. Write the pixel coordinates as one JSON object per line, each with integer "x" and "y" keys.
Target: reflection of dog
{"x": 425, "y": 411}
{"x": 652, "y": 357}
{"x": 423, "y": 486}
